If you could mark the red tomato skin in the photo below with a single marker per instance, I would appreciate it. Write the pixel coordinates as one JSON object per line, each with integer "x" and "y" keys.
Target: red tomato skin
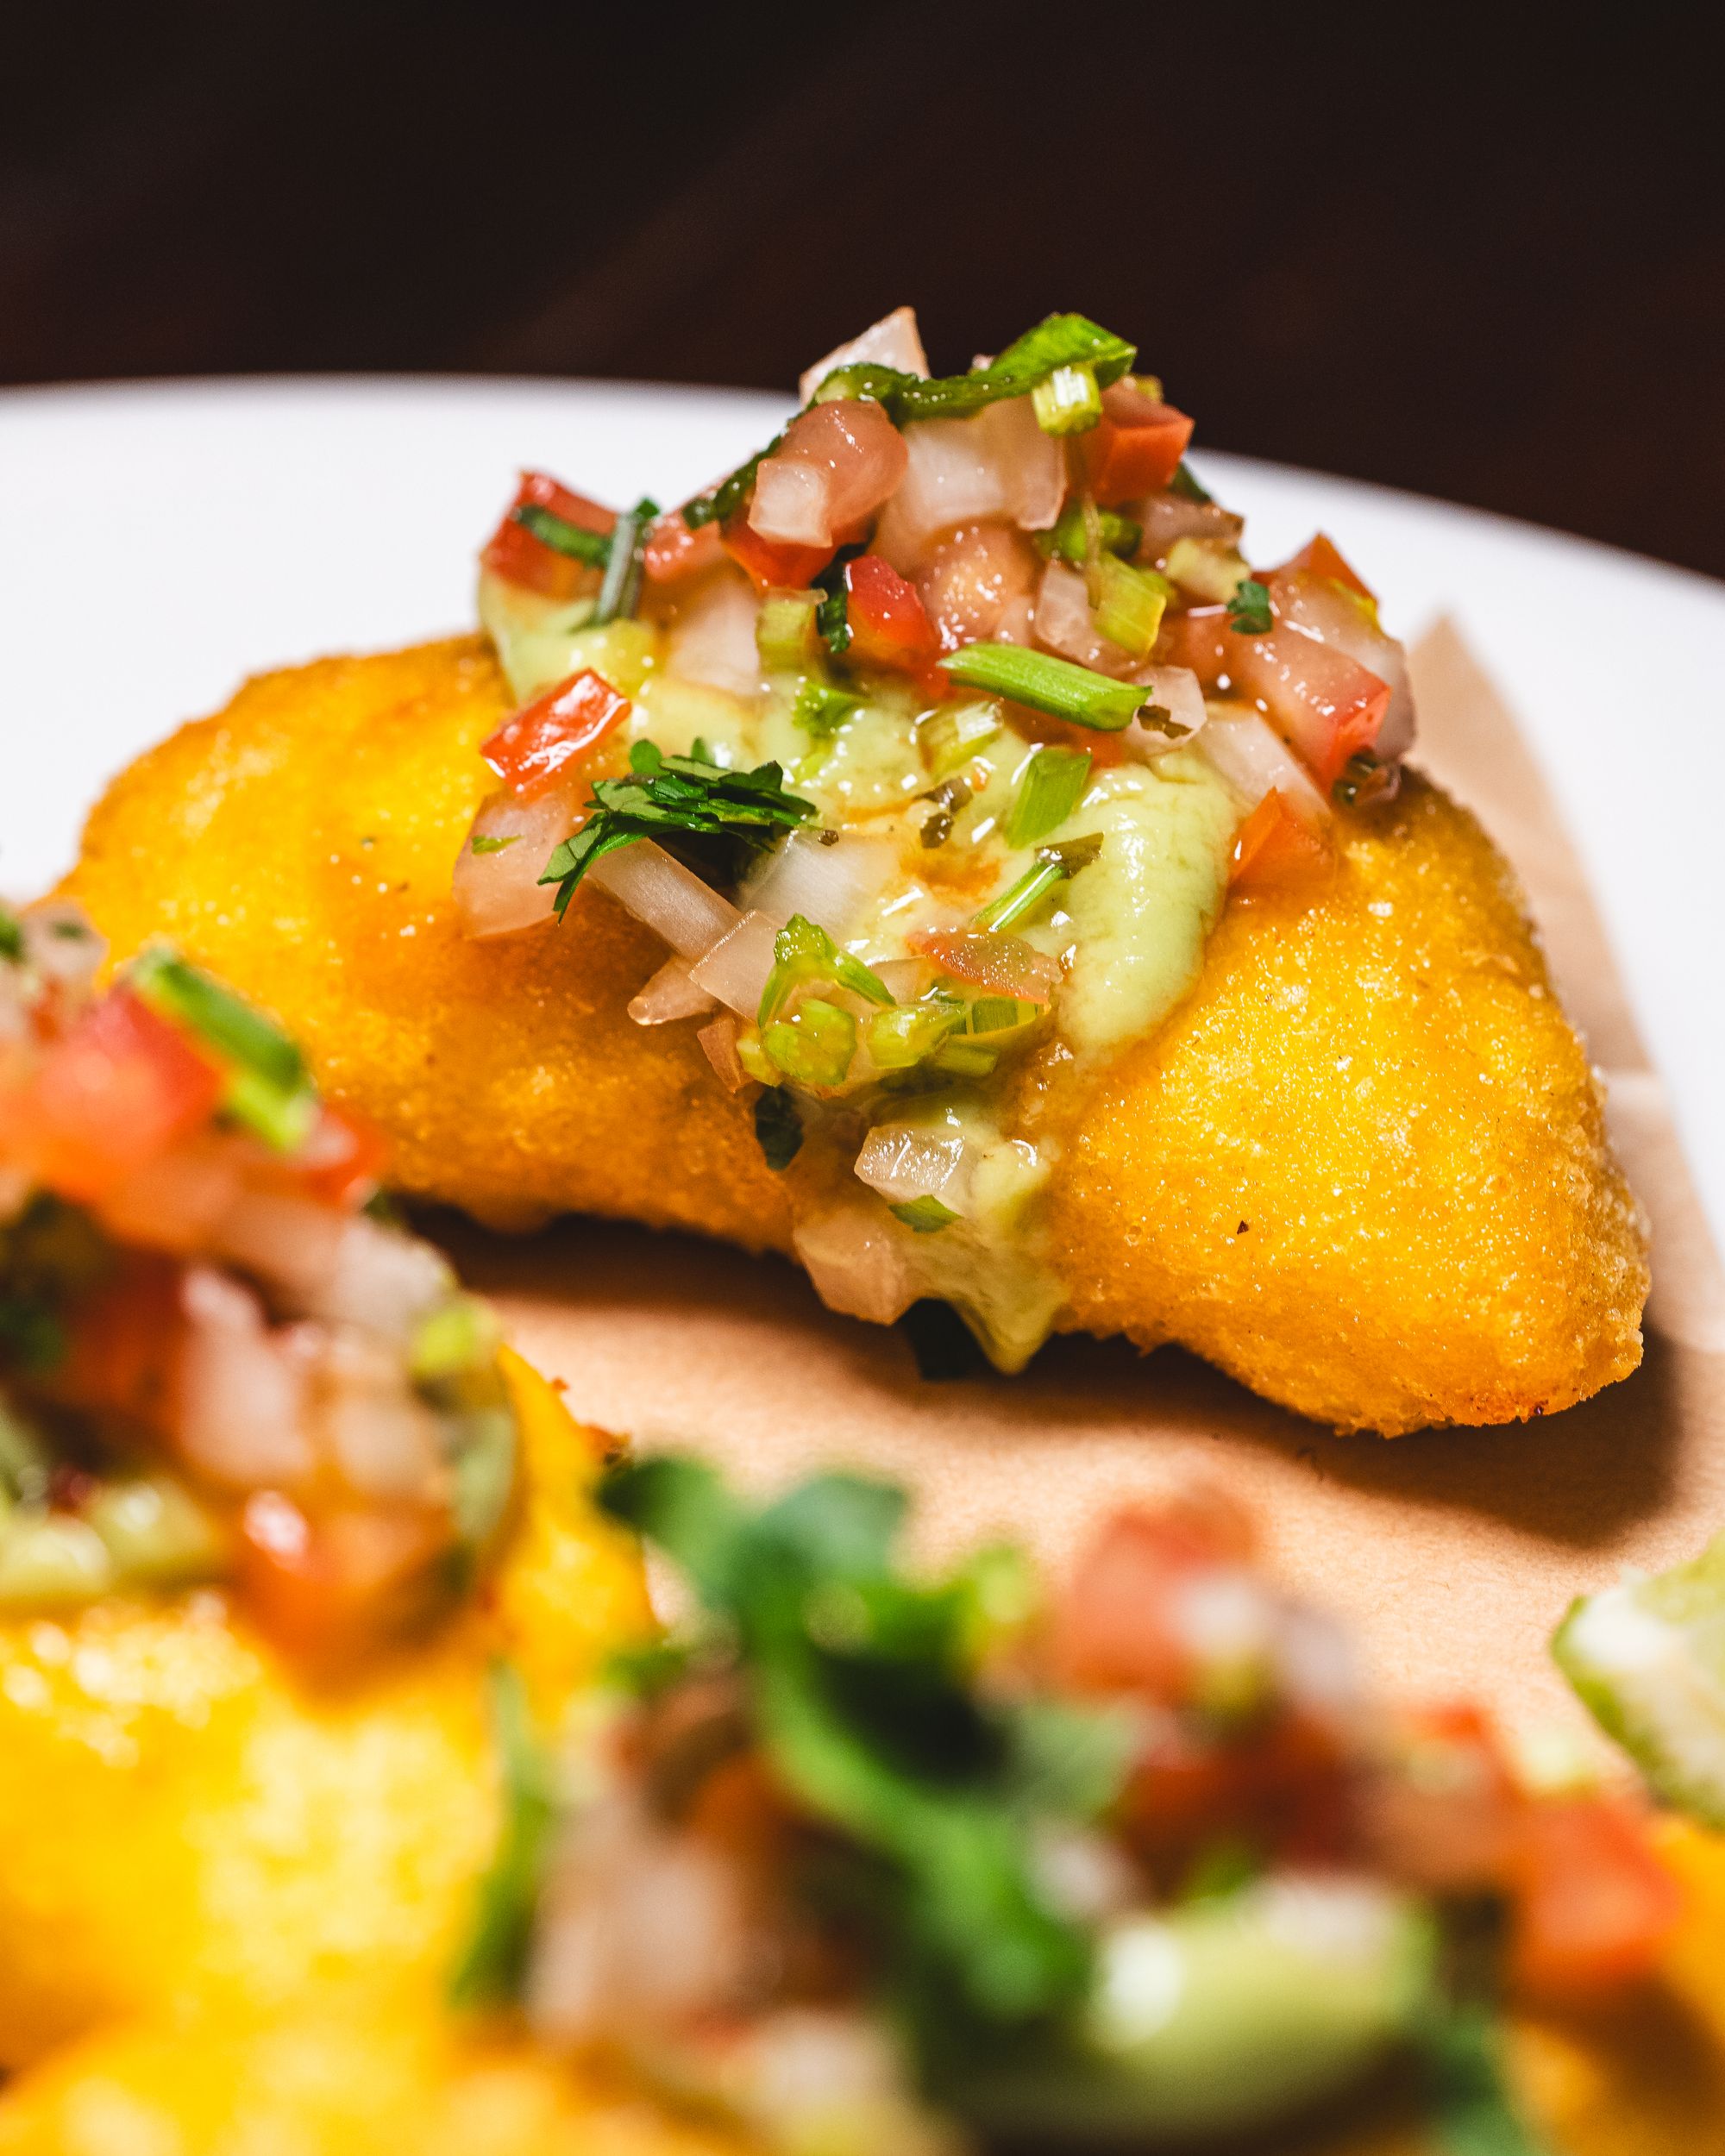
{"x": 1111, "y": 1631}
{"x": 1593, "y": 1906}
{"x": 122, "y": 1348}
{"x": 327, "y": 1589}
{"x": 1277, "y": 851}
{"x": 517, "y": 557}
{"x": 120, "y": 1089}
{"x": 1321, "y": 556}
{"x": 889, "y": 625}
{"x": 1135, "y": 449}
{"x": 343, "y": 1160}
{"x": 672, "y": 551}
{"x": 788, "y": 567}
{"x": 529, "y": 751}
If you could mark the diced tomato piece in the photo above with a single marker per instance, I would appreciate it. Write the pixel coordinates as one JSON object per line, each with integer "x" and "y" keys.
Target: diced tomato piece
{"x": 515, "y": 555}
{"x": 1325, "y": 705}
{"x": 329, "y": 1588}
{"x": 1321, "y": 556}
{"x": 1279, "y": 1789}
{"x": 1443, "y": 1812}
{"x": 123, "y": 1341}
{"x": 889, "y": 625}
{"x": 793, "y": 569}
{"x": 980, "y": 583}
{"x": 1277, "y": 851}
{"x": 1593, "y": 1906}
{"x": 1135, "y": 449}
{"x": 1005, "y": 965}
{"x": 1198, "y": 637}
{"x": 672, "y": 551}
{"x": 529, "y": 751}
{"x": 115, "y": 1092}
{"x": 1113, "y": 1631}
{"x": 343, "y": 1160}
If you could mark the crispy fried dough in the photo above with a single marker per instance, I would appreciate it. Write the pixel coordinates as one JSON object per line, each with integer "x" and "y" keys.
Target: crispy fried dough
{"x": 1363, "y": 1167}
{"x": 183, "y": 1821}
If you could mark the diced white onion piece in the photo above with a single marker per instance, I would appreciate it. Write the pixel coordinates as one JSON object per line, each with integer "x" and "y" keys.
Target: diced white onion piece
{"x": 1065, "y": 624}
{"x": 61, "y": 945}
{"x": 904, "y": 979}
{"x": 241, "y": 1390}
{"x": 856, "y": 1260}
{"x": 1166, "y": 517}
{"x": 671, "y": 899}
{"x": 668, "y": 995}
{"x": 735, "y": 970}
{"x": 1254, "y": 757}
{"x": 718, "y": 1044}
{"x": 713, "y": 639}
{"x": 904, "y": 1164}
{"x": 893, "y": 341}
{"x": 1318, "y": 609}
{"x": 833, "y": 884}
{"x": 1031, "y": 464}
{"x": 951, "y": 479}
{"x": 498, "y": 892}
{"x": 792, "y": 503}
{"x": 380, "y": 1437}
{"x": 293, "y": 1242}
{"x": 1177, "y": 691}
{"x": 383, "y": 1280}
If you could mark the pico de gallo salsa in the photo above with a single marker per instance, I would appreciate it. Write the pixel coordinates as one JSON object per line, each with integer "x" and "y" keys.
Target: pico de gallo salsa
{"x": 217, "y": 1364}
{"x": 871, "y": 1861}
{"x": 932, "y": 741}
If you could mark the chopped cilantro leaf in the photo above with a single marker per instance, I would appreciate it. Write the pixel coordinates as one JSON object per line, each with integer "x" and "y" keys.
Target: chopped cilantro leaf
{"x": 925, "y": 1215}
{"x": 833, "y": 616}
{"x": 1474, "y": 2113}
{"x": 778, "y": 1127}
{"x": 1249, "y": 613}
{"x": 493, "y": 1965}
{"x": 670, "y": 798}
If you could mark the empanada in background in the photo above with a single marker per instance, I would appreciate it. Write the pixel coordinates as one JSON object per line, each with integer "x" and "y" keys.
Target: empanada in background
{"x": 975, "y": 880}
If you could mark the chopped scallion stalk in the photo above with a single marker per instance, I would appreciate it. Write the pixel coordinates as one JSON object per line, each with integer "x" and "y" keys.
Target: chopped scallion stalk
{"x": 1185, "y": 483}
{"x": 493, "y": 1968}
{"x": 269, "y": 1090}
{"x": 1053, "y": 784}
{"x": 620, "y": 592}
{"x": 803, "y": 951}
{"x": 1129, "y": 605}
{"x": 1067, "y": 401}
{"x": 901, "y": 1038}
{"x": 820, "y": 710}
{"x": 863, "y": 377}
{"x": 718, "y": 502}
{"x": 784, "y": 632}
{"x": 1062, "y": 340}
{"x": 1052, "y": 866}
{"x": 778, "y": 1127}
{"x": 594, "y": 548}
{"x": 815, "y": 1045}
{"x": 1207, "y": 569}
{"x": 1117, "y": 534}
{"x": 1003, "y": 1014}
{"x": 965, "y": 1059}
{"x": 950, "y": 736}
{"x": 1047, "y": 684}
{"x": 925, "y": 1215}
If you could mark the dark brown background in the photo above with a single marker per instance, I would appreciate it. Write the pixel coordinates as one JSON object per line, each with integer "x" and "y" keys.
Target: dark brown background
{"x": 1479, "y": 255}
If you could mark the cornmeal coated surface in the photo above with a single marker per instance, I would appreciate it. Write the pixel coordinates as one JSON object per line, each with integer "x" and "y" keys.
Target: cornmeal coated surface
{"x": 1645, "y": 2079}
{"x": 1379, "y": 1085}
{"x": 183, "y": 1821}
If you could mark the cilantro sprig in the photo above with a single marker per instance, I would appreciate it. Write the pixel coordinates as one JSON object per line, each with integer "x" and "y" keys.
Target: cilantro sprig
{"x": 1249, "y": 610}
{"x": 862, "y": 1690}
{"x": 672, "y": 798}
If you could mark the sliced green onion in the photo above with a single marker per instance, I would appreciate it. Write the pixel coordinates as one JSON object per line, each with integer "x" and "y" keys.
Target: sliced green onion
{"x": 815, "y": 1045}
{"x": 901, "y": 1038}
{"x": 1067, "y": 401}
{"x": 1048, "y": 684}
{"x": 864, "y": 377}
{"x": 493, "y": 1966}
{"x": 1129, "y": 605}
{"x": 1114, "y": 533}
{"x": 1249, "y": 613}
{"x": 269, "y": 1089}
{"x": 1062, "y": 340}
{"x": 459, "y": 1335}
{"x": 1052, "y": 866}
{"x": 925, "y": 1215}
{"x": 11, "y": 936}
{"x": 717, "y": 504}
{"x": 951, "y": 734}
{"x": 620, "y": 592}
{"x": 1053, "y": 786}
{"x": 482, "y": 845}
{"x": 594, "y": 548}
{"x": 965, "y": 1059}
{"x": 802, "y": 951}
{"x": 820, "y": 710}
{"x": 1003, "y": 1014}
{"x": 1208, "y": 568}
{"x": 785, "y": 630}
{"x": 778, "y": 1127}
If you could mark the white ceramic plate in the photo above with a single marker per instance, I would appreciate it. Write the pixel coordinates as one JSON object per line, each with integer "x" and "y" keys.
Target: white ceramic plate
{"x": 158, "y": 542}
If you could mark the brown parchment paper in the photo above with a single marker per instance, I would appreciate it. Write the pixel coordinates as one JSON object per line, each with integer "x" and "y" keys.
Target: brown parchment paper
{"x": 1455, "y": 1552}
